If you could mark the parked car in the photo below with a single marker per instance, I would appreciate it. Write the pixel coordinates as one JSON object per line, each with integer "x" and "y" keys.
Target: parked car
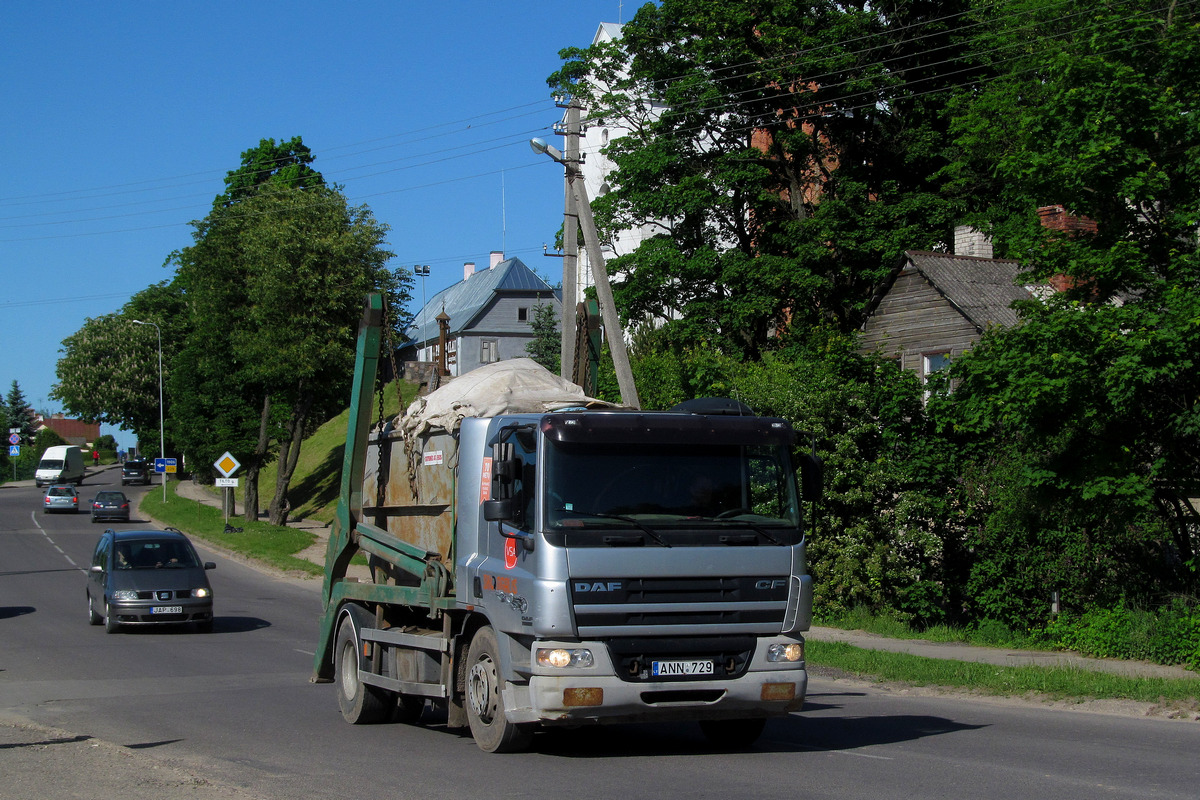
{"x": 110, "y": 505}
{"x": 148, "y": 577}
{"x": 135, "y": 471}
{"x": 60, "y": 498}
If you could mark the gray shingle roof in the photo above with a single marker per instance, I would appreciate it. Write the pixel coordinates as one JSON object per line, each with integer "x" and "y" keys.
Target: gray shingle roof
{"x": 982, "y": 289}
{"x": 463, "y": 301}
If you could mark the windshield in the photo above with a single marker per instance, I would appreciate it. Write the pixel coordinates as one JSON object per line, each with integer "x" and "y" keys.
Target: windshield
{"x": 669, "y": 486}
{"x": 152, "y": 554}
{"x": 51, "y": 463}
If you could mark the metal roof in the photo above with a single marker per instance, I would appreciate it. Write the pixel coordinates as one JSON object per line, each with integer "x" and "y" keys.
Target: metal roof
{"x": 982, "y": 289}
{"x": 464, "y": 301}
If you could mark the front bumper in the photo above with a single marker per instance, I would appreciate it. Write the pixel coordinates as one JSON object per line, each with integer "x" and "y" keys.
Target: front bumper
{"x": 767, "y": 689}
{"x": 141, "y": 612}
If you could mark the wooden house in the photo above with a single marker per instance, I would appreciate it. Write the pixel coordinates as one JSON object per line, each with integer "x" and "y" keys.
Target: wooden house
{"x": 934, "y": 306}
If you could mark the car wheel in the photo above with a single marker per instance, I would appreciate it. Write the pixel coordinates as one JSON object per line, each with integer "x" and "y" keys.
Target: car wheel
{"x": 93, "y": 617}
{"x": 110, "y": 622}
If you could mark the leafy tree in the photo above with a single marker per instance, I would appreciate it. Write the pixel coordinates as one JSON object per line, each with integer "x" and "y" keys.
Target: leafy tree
{"x": 786, "y": 151}
{"x": 282, "y": 163}
{"x": 109, "y": 368}
{"x": 106, "y": 442}
{"x": 275, "y": 282}
{"x": 546, "y": 347}
{"x": 1082, "y": 421}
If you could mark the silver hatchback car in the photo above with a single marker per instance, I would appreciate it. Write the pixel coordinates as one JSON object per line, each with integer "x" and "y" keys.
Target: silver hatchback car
{"x": 60, "y": 497}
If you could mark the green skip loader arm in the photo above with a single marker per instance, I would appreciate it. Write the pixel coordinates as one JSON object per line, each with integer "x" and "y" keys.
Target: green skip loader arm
{"x": 342, "y": 546}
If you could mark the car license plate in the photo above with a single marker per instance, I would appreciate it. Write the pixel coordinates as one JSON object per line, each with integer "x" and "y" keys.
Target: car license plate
{"x": 166, "y": 609}
{"x": 668, "y": 668}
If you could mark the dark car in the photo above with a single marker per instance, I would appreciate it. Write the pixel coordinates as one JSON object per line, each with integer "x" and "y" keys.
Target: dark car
{"x": 110, "y": 505}
{"x": 135, "y": 471}
{"x": 60, "y": 498}
{"x": 148, "y": 578}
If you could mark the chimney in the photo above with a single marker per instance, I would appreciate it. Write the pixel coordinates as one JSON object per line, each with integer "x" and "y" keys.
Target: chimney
{"x": 496, "y": 257}
{"x": 971, "y": 242}
{"x": 468, "y": 269}
{"x": 1057, "y": 218}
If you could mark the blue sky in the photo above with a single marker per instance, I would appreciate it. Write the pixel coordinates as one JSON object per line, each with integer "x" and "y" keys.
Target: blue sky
{"x": 122, "y": 118}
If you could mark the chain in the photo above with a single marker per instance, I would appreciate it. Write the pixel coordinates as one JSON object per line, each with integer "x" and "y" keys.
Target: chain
{"x": 391, "y": 348}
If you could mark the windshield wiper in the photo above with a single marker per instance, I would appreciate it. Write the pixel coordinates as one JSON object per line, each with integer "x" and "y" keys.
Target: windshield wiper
{"x": 759, "y": 529}
{"x": 653, "y": 534}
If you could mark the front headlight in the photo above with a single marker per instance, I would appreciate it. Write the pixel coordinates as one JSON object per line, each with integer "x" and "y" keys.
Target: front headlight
{"x": 200, "y": 592}
{"x": 562, "y": 657}
{"x": 791, "y": 652}
{"x": 124, "y": 594}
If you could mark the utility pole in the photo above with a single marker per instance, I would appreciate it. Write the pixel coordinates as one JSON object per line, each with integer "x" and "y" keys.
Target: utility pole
{"x": 608, "y": 309}
{"x": 570, "y": 288}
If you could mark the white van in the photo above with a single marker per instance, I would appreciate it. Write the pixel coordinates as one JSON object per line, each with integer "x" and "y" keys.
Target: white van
{"x": 60, "y": 464}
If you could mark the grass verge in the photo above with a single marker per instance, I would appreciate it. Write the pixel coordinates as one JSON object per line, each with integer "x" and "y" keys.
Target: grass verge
{"x": 1051, "y": 682}
{"x": 270, "y": 544}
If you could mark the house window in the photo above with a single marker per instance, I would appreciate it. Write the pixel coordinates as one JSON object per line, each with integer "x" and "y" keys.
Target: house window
{"x": 523, "y": 314}
{"x": 934, "y": 362}
{"x": 489, "y": 351}
{"x": 931, "y": 363}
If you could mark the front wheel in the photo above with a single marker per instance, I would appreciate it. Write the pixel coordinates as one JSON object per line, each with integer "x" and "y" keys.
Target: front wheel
{"x": 110, "y": 622}
{"x": 360, "y": 704}
{"x": 485, "y": 707}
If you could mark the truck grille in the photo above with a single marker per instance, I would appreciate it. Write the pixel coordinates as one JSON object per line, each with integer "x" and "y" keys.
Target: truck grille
{"x": 679, "y": 606}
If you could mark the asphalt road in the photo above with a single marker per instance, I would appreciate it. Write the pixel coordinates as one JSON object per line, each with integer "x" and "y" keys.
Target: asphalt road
{"x": 174, "y": 714}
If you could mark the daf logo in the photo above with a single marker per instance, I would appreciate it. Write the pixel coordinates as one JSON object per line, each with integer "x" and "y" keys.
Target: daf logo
{"x": 598, "y": 586}
{"x": 770, "y": 583}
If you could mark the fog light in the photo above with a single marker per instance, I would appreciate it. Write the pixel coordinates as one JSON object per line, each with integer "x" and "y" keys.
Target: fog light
{"x": 793, "y": 651}
{"x": 561, "y": 657}
{"x": 583, "y": 697}
{"x": 778, "y": 691}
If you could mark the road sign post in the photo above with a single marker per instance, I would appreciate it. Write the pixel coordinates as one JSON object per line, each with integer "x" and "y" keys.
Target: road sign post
{"x": 227, "y": 465}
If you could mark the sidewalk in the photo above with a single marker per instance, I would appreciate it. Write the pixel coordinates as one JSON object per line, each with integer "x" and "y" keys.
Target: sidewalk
{"x": 868, "y": 641}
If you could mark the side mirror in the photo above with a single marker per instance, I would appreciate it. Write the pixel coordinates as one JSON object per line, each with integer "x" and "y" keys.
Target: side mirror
{"x": 498, "y": 510}
{"x": 96, "y": 568}
{"x": 210, "y": 565}
{"x": 812, "y": 477}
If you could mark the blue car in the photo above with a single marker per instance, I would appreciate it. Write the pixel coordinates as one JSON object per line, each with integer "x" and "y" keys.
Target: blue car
{"x": 148, "y": 578}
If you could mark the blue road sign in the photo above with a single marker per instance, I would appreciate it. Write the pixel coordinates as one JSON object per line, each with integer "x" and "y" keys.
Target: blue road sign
{"x": 164, "y": 465}
{"x": 14, "y": 449}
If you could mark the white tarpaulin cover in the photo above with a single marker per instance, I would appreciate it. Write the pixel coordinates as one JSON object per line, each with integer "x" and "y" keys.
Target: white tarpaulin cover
{"x": 515, "y": 386}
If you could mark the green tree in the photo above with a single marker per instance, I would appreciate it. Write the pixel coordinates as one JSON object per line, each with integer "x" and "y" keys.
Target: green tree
{"x": 108, "y": 371}
{"x": 1082, "y": 421}
{"x": 546, "y": 347}
{"x": 275, "y": 282}
{"x": 786, "y": 151}
{"x": 19, "y": 414}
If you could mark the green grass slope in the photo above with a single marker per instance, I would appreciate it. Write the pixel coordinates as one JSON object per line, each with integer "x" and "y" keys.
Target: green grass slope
{"x": 316, "y": 482}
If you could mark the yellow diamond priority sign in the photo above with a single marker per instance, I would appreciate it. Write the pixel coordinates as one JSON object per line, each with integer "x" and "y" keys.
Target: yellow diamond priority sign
{"x": 227, "y": 464}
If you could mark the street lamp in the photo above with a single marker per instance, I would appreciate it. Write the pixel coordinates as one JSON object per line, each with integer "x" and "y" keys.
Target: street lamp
{"x": 608, "y": 308}
{"x": 162, "y": 439}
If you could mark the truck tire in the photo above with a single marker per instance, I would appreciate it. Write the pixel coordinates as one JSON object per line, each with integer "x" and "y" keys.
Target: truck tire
{"x": 734, "y": 734}
{"x": 360, "y": 704}
{"x": 485, "y": 707}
